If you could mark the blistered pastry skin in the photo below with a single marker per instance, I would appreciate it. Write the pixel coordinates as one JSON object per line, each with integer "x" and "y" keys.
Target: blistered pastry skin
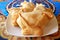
{"x": 30, "y": 18}
{"x": 27, "y": 6}
{"x": 33, "y": 23}
{"x": 14, "y": 12}
{"x": 28, "y": 30}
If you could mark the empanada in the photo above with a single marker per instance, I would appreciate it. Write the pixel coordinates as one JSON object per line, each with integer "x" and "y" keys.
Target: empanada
{"x": 30, "y": 18}
{"x": 27, "y": 6}
{"x": 27, "y": 29}
{"x": 14, "y": 12}
{"x": 33, "y": 23}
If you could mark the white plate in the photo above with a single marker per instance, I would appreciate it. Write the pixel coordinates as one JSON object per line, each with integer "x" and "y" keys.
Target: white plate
{"x": 51, "y": 28}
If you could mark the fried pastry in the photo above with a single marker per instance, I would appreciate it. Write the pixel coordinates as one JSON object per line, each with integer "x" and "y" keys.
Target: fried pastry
{"x": 39, "y": 7}
{"x": 27, "y": 6}
{"x": 30, "y": 18}
{"x": 27, "y": 29}
{"x": 14, "y": 12}
{"x": 42, "y": 8}
{"x": 33, "y": 23}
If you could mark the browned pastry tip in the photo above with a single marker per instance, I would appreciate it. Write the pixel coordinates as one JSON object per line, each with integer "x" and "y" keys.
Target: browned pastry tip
{"x": 27, "y": 6}
{"x": 14, "y": 12}
{"x": 49, "y": 13}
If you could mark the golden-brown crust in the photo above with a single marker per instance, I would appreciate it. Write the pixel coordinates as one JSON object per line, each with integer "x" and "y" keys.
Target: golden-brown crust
{"x": 48, "y": 13}
{"x": 14, "y": 15}
{"x": 27, "y": 6}
{"x": 33, "y": 23}
{"x": 32, "y": 20}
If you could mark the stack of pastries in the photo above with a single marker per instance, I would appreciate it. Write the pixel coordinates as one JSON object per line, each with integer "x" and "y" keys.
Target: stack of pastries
{"x": 31, "y": 18}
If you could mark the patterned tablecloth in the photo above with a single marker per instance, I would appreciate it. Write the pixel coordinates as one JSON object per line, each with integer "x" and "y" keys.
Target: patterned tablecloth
{"x": 4, "y": 34}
